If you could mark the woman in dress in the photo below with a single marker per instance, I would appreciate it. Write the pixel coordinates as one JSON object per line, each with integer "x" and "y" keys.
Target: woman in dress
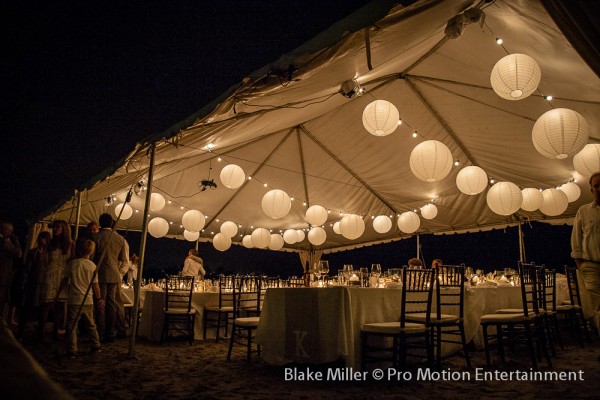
{"x": 61, "y": 251}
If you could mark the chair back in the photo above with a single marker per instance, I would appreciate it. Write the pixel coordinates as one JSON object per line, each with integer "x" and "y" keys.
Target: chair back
{"x": 246, "y": 295}
{"x": 450, "y": 291}
{"x": 548, "y": 290}
{"x": 530, "y": 289}
{"x": 226, "y": 286}
{"x": 178, "y": 293}
{"x": 573, "y": 285}
{"x": 417, "y": 292}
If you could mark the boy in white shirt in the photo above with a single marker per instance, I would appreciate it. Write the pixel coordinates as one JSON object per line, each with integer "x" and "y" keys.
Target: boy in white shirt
{"x": 78, "y": 274}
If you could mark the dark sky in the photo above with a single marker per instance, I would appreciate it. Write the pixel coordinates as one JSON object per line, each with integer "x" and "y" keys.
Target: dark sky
{"x": 84, "y": 81}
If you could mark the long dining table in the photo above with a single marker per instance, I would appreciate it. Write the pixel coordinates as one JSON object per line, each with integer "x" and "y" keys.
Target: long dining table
{"x": 320, "y": 325}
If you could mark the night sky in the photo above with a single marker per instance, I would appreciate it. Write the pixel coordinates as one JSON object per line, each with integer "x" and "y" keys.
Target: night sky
{"x": 83, "y": 82}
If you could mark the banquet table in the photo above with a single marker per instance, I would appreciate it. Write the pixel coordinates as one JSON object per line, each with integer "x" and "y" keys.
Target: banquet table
{"x": 151, "y": 323}
{"x": 320, "y": 325}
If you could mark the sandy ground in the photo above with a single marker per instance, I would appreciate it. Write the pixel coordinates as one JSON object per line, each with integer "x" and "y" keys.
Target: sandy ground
{"x": 176, "y": 370}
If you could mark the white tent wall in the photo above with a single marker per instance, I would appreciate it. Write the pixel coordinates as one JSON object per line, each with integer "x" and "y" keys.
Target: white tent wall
{"x": 305, "y": 138}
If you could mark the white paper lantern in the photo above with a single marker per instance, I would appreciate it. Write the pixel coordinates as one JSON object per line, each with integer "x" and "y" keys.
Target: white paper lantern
{"x": 409, "y": 222}
{"x": 276, "y": 242}
{"x": 471, "y": 180}
{"x": 191, "y": 236}
{"x": 382, "y": 224}
{"x": 515, "y": 76}
{"x": 560, "y": 133}
{"x": 247, "y": 242}
{"x": 158, "y": 227}
{"x": 300, "y": 234}
{"x": 229, "y": 229}
{"x": 276, "y": 203}
{"x": 317, "y": 236}
{"x": 261, "y": 238}
{"x": 380, "y": 118}
{"x": 587, "y": 161}
{"x": 572, "y": 191}
{"x": 127, "y": 211}
{"x": 431, "y": 161}
{"x": 221, "y": 242}
{"x": 429, "y": 211}
{"x": 232, "y": 176}
{"x": 290, "y": 236}
{"x": 555, "y": 202}
{"x": 157, "y": 202}
{"x": 336, "y": 228}
{"x": 532, "y": 199}
{"x": 193, "y": 220}
{"x": 316, "y": 215}
{"x": 504, "y": 198}
{"x": 352, "y": 226}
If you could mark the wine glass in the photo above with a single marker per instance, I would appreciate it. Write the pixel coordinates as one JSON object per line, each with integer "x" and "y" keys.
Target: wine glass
{"x": 323, "y": 269}
{"x": 364, "y": 276}
{"x": 376, "y": 270}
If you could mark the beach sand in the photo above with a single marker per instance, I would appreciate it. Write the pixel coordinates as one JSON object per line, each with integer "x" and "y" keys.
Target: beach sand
{"x": 176, "y": 370}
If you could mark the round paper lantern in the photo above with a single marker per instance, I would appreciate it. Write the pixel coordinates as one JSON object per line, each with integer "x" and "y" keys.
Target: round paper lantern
{"x": 193, "y": 220}
{"x": 276, "y": 242}
{"x": 316, "y": 215}
{"x": 158, "y": 227}
{"x": 336, "y": 228}
{"x": 380, "y": 118}
{"x": 229, "y": 229}
{"x": 261, "y": 238}
{"x": 127, "y": 211}
{"x": 300, "y": 234}
{"x": 504, "y": 198}
{"x": 221, "y": 242}
{"x": 352, "y": 226}
{"x": 429, "y": 211}
{"x": 471, "y": 180}
{"x": 290, "y": 236}
{"x": 587, "y": 161}
{"x": 532, "y": 199}
{"x": 382, "y": 224}
{"x": 191, "y": 236}
{"x": 555, "y": 202}
{"x": 515, "y": 76}
{"x": 409, "y": 222}
{"x": 560, "y": 133}
{"x": 571, "y": 190}
{"x": 232, "y": 176}
{"x": 157, "y": 202}
{"x": 431, "y": 161}
{"x": 276, "y": 203}
{"x": 317, "y": 236}
{"x": 247, "y": 242}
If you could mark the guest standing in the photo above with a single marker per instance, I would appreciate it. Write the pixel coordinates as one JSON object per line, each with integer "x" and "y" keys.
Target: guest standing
{"x": 61, "y": 251}
{"x": 585, "y": 246}
{"x": 10, "y": 252}
{"x": 110, "y": 252}
{"x": 415, "y": 263}
{"x": 193, "y": 266}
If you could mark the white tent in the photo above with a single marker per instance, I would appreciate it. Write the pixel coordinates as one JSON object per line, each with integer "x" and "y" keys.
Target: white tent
{"x": 289, "y": 126}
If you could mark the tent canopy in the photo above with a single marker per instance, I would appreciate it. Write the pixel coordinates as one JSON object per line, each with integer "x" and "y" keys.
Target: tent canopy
{"x": 289, "y": 127}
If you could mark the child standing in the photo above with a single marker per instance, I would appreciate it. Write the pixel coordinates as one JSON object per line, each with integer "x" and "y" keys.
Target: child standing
{"x": 77, "y": 277}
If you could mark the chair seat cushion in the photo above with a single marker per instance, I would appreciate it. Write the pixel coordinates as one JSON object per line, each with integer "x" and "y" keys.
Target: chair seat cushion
{"x": 217, "y": 309}
{"x": 566, "y": 307}
{"x": 393, "y": 328}
{"x": 422, "y": 317}
{"x": 566, "y": 303}
{"x": 499, "y": 318}
{"x": 247, "y": 321}
{"x": 516, "y": 311}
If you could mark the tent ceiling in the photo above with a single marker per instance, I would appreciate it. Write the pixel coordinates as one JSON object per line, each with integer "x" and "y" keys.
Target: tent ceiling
{"x": 305, "y": 138}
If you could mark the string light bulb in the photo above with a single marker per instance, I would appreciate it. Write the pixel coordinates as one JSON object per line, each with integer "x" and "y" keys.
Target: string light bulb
{"x": 499, "y": 41}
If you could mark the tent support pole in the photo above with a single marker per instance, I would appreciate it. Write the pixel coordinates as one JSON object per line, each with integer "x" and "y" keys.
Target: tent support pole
{"x": 302, "y": 166}
{"x": 521, "y": 244}
{"x": 418, "y": 246}
{"x": 138, "y": 281}
{"x": 77, "y": 216}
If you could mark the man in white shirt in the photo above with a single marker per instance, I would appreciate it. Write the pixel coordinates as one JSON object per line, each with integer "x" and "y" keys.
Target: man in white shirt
{"x": 585, "y": 246}
{"x": 193, "y": 265}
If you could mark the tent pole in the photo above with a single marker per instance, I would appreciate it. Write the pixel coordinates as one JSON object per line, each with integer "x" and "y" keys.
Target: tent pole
{"x": 418, "y": 246}
{"x": 137, "y": 282}
{"x": 521, "y": 244}
{"x": 77, "y": 216}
